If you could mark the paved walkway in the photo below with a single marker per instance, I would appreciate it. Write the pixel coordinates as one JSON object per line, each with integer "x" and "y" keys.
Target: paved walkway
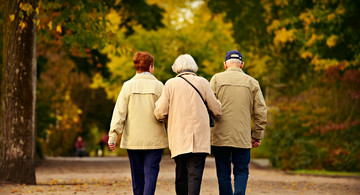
{"x": 111, "y": 175}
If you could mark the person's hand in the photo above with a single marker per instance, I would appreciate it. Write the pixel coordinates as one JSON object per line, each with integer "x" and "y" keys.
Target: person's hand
{"x": 255, "y": 142}
{"x": 112, "y": 146}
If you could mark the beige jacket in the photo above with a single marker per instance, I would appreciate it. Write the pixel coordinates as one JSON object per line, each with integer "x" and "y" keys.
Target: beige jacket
{"x": 241, "y": 99}
{"x": 188, "y": 119}
{"x": 133, "y": 115}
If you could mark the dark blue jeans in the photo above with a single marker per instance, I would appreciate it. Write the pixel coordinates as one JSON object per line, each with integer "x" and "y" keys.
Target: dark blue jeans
{"x": 240, "y": 158}
{"x": 145, "y": 166}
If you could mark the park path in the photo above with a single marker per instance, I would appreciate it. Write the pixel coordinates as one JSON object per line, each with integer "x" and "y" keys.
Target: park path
{"x": 111, "y": 175}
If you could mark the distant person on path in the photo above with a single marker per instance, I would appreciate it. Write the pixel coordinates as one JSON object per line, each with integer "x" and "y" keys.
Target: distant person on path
{"x": 102, "y": 143}
{"x": 188, "y": 123}
{"x": 80, "y": 147}
{"x": 142, "y": 135}
{"x": 232, "y": 137}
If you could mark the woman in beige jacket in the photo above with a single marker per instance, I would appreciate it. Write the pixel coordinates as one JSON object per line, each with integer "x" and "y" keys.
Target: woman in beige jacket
{"x": 142, "y": 135}
{"x": 188, "y": 122}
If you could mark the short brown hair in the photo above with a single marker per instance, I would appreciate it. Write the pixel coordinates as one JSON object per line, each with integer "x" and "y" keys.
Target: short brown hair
{"x": 142, "y": 61}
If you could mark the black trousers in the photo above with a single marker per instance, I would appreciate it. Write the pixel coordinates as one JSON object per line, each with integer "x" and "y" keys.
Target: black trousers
{"x": 189, "y": 172}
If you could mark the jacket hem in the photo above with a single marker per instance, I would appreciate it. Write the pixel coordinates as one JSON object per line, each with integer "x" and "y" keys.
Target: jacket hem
{"x": 143, "y": 147}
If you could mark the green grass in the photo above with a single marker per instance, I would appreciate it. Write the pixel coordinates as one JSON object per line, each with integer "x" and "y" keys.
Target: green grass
{"x": 325, "y": 173}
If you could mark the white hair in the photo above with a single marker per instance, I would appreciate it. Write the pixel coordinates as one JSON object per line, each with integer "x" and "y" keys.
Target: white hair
{"x": 234, "y": 62}
{"x": 184, "y": 62}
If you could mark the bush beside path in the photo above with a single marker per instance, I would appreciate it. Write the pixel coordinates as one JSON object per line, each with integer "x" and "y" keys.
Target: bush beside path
{"x": 111, "y": 175}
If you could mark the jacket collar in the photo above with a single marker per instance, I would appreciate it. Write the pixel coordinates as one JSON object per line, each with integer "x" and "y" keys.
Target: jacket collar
{"x": 144, "y": 76}
{"x": 238, "y": 69}
{"x": 186, "y": 73}
{"x": 146, "y": 73}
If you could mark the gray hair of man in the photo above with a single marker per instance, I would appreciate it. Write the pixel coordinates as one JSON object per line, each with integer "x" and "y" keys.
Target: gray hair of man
{"x": 233, "y": 62}
{"x": 184, "y": 62}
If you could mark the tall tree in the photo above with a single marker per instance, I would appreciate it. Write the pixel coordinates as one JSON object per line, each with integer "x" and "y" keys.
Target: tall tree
{"x": 18, "y": 84}
{"x": 78, "y": 25}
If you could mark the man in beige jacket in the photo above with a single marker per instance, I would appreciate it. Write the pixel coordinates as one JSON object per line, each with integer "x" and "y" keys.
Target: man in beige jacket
{"x": 232, "y": 137}
{"x": 142, "y": 135}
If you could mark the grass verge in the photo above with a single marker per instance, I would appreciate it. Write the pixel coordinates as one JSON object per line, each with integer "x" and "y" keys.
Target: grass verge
{"x": 325, "y": 173}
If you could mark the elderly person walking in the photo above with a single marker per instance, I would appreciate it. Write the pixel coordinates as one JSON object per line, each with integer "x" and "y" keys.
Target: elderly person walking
{"x": 188, "y": 122}
{"x": 232, "y": 136}
{"x": 142, "y": 135}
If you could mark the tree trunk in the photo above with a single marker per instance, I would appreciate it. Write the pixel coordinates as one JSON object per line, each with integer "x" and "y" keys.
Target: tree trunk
{"x": 17, "y": 101}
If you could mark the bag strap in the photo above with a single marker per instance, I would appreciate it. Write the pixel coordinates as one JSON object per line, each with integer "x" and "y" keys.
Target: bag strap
{"x": 195, "y": 89}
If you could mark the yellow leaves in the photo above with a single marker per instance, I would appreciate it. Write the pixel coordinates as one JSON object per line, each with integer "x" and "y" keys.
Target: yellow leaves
{"x": 39, "y": 189}
{"x": 97, "y": 81}
{"x": 307, "y": 124}
{"x": 59, "y": 118}
{"x": 76, "y": 119}
{"x": 259, "y": 64}
{"x": 50, "y": 25}
{"x": 114, "y": 20}
{"x": 320, "y": 110}
{"x": 275, "y": 24}
{"x": 27, "y": 7}
{"x": 12, "y": 17}
{"x": 331, "y": 16}
{"x": 22, "y": 25}
{"x": 79, "y": 111}
{"x": 313, "y": 39}
{"x": 48, "y": 132}
{"x": 322, "y": 64}
{"x": 340, "y": 10}
{"x": 306, "y": 54}
{"x": 281, "y": 3}
{"x": 117, "y": 2}
{"x": 307, "y": 18}
{"x": 331, "y": 41}
{"x": 67, "y": 97}
{"x": 37, "y": 23}
{"x": 54, "y": 181}
{"x": 283, "y": 35}
{"x": 58, "y": 29}
{"x": 267, "y": 7}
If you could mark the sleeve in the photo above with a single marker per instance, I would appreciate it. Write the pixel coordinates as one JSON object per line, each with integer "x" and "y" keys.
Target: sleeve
{"x": 259, "y": 113}
{"x": 213, "y": 84}
{"x": 213, "y": 103}
{"x": 162, "y": 105}
{"x": 159, "y": 90}
{"x": 118, "y": 119}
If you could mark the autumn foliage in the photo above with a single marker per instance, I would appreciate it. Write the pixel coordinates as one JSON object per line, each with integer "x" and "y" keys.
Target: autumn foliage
{"x": 319, "y": 128}
{"x": 305, "y": 54}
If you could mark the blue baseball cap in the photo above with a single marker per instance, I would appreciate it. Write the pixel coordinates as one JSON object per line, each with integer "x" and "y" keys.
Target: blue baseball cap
{"x": 233, "y": 54}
